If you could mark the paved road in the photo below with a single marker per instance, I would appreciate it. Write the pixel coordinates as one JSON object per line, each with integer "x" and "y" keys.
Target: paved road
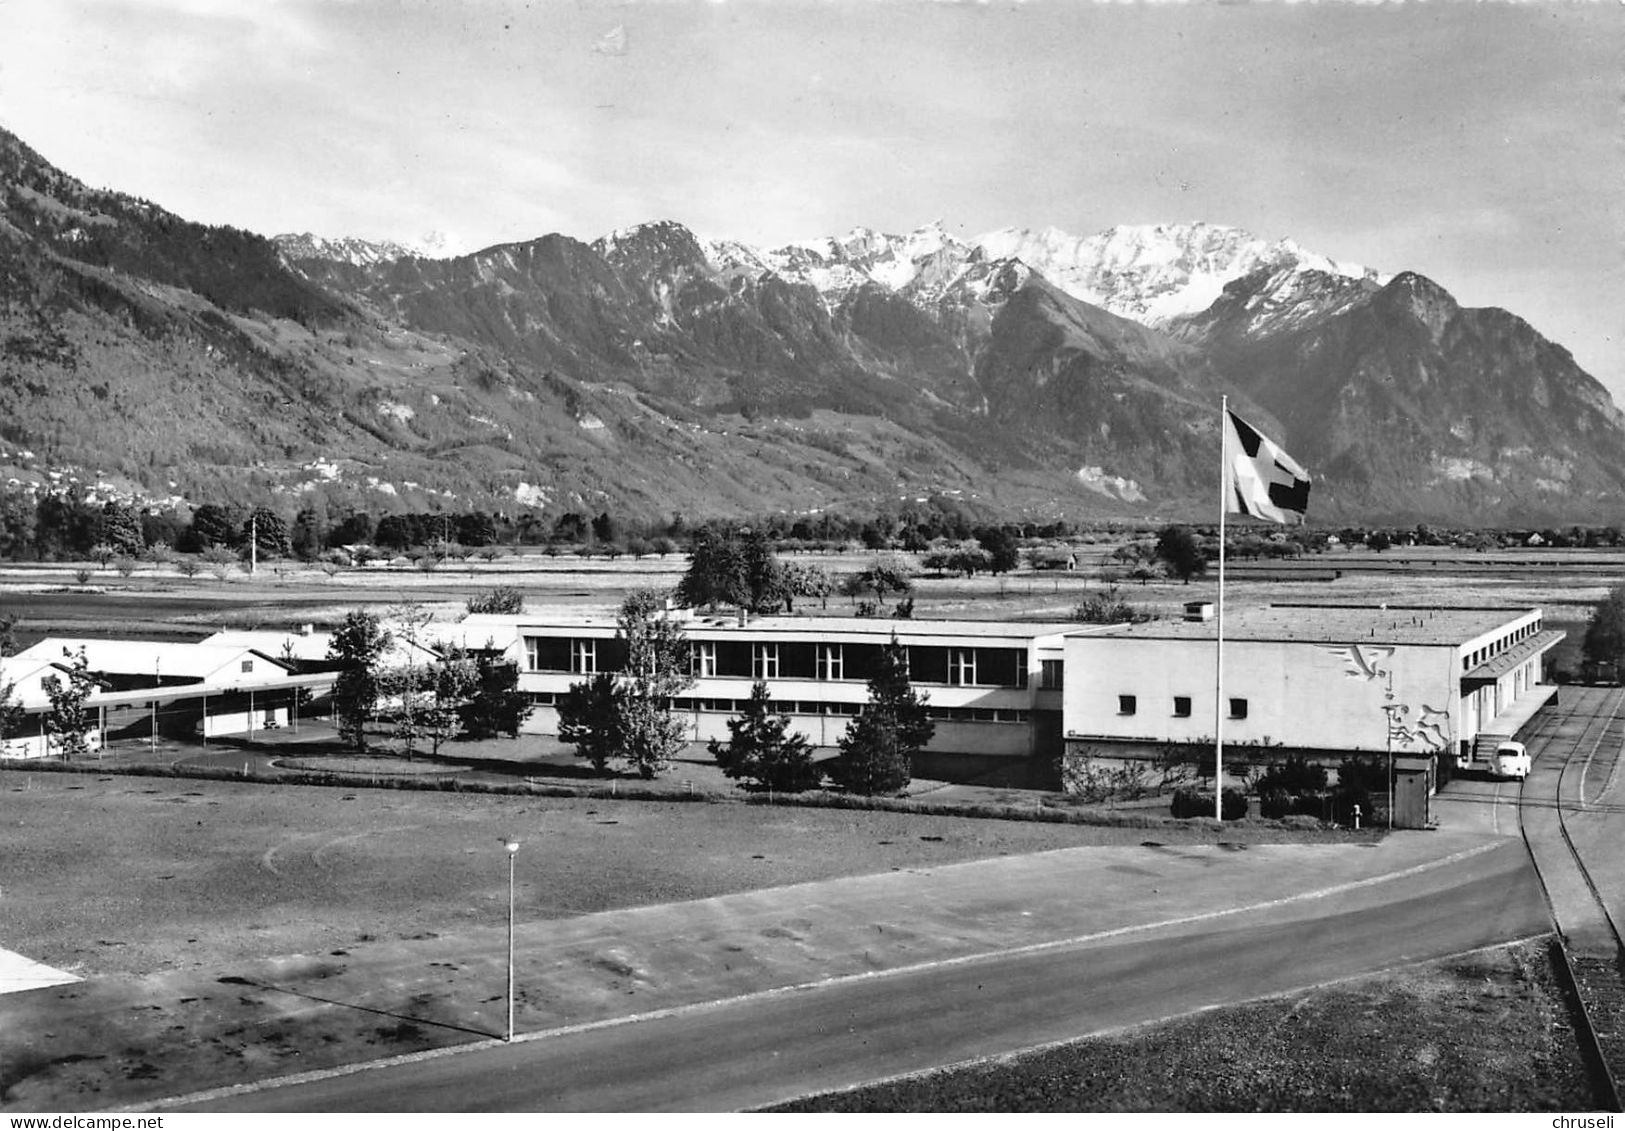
{"x": 1585, "y": 734}
{"x": 769, "y": 1047}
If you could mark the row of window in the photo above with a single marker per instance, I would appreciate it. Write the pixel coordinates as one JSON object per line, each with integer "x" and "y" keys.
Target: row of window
{"x": 1516, "y": 636}
{"x": 710, "y": 659}
{"x": 808, "y": 707}
{"x": 1130, "y": 705}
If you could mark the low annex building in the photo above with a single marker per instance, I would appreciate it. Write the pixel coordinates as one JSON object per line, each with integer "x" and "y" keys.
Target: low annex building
{"x": 170, "y": 687}
{"x": 1307, "y": 678}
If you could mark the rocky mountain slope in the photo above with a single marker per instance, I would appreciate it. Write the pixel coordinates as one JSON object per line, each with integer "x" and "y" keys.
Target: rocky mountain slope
{"x": 651, "y": 370}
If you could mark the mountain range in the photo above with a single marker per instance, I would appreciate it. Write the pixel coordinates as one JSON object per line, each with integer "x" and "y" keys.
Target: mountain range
{"x": 1018, "y": 373}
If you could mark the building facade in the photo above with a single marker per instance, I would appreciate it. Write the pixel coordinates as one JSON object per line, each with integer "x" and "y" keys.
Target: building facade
{"x": 994, "y": 689}
{"x": 1315, "y": 679}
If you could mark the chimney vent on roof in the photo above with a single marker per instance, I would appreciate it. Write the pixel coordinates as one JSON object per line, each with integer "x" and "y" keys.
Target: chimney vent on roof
{"x": 306, "y": 629}
{"x": 1198, "y": 610}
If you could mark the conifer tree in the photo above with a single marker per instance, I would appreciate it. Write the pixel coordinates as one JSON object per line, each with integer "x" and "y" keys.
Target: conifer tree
{"x": 879, "y": 744}
{"x": 496, "y": 705}
{"x": 762, "y": 749}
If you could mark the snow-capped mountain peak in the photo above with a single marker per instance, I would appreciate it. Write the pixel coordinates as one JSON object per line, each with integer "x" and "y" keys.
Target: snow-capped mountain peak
{"x": 1155, "y": 272}
{"x": 1151, "y": 273}
{"x": 360, "y": 252}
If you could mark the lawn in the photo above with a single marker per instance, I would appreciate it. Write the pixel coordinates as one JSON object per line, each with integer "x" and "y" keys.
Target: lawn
{"x": 219, "y": 925}
{"x": 176, "y": 873}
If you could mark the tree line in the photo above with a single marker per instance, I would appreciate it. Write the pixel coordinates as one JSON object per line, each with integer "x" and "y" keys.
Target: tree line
{"x": 59, "y": 525}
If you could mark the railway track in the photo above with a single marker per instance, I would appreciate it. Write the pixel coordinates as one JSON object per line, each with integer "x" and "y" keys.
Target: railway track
{"x": 1588, "y": 946}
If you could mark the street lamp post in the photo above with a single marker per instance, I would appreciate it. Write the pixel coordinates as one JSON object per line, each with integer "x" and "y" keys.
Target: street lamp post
{"x": 513, "y": 851}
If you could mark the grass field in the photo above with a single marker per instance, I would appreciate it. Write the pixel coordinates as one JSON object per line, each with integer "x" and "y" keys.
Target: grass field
{"x": 389, "y": 902}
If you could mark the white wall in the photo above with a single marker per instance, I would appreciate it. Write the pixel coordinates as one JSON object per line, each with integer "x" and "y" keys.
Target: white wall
{"x": 39, "y": 745}
{"x": 1317, "y": 696}
{"x": 242, "y": 722}
{"x": 951, "y": 737}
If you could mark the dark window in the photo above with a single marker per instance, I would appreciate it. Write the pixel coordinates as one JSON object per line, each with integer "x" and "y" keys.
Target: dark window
{"x": 1002, "y": 667}
{"x": 861, "y": 660}
{"x": 1051, "y": 675}
{"x": 927, "y": 664}
{"x": 733, "y": 658}
{"x": 548, "y": 653}
{"x": 796, "y": 661}
{"x": 1182, "y": 706}
{"x": 1126, "y": 704}
{"x": 1238, "y": 708}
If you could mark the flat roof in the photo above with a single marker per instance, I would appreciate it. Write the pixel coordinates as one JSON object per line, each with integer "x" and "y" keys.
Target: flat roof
{"x": 1308, "y": 623}
{"x": 844, "y": 626}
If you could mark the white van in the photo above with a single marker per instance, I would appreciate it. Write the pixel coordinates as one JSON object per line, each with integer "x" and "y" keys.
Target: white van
{"x": 1511, "y": 761}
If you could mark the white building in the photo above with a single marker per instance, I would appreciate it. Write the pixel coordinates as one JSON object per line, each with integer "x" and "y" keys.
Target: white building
{"x": 1318, "y": 679}
{"x": 178, "y": 687}
{"x": 993, "y": 687}
{"x": 27, "y": 679}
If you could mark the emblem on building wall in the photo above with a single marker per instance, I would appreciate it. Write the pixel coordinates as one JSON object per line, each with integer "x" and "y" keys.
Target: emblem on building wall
{"x": 1363, "y": 661}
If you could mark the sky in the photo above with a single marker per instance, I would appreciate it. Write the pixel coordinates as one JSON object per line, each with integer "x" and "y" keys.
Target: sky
{"x": 1480, "y": 144}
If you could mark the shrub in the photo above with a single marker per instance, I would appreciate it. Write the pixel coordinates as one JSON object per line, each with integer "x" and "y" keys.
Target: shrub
{"x": 1368, "y": 774}
{"x": 1094, "y": 779}
{"x": 1199, "y": 803}
{"x": 501, "y": 599}
{"x": 1311, "y": 805}
{"x": 1278, "y": 803}
{"x": 1107, "y": 608}
{"x": 1274, "y": 804}
{"x": 1295, "y": 775}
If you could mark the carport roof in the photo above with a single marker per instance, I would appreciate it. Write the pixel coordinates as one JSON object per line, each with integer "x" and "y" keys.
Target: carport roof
{"x": 146, "y": 657}
{"x": 1498, "y": 666}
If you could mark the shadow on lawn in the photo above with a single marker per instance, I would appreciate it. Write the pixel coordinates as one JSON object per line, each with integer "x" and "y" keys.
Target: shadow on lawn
{"x": 235, "y": 980}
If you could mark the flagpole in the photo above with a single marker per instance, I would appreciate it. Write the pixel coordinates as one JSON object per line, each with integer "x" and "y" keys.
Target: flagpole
{"x": 1218, "y": 662}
